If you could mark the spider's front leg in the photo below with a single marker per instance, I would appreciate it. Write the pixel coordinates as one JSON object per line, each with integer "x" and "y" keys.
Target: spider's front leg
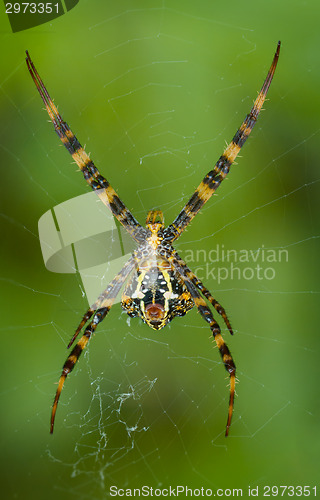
{"x": 90, "y": 172}
{"x": 213, "y": 179}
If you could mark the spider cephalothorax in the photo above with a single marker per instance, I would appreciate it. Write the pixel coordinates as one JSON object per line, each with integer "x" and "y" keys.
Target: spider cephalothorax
{"x": 161, "y": 286}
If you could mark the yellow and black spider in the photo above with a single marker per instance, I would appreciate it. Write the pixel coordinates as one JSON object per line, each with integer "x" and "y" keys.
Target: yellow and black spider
{"x": 161, "y": 286}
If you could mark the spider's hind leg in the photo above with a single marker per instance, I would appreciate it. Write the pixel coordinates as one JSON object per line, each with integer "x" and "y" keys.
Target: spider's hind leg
{"x": 74, "y": 356}
{"x": 176, "y": 260}
{"x": 193, "y": 285}
{"x": 218, "y": 307}
{"x": 85, "y": 318}
{"x": 99, "y": 310}
{"x": 222, "y": 346}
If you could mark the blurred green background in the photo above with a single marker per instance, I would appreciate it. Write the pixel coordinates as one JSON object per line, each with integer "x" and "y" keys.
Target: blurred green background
{"x": 154, "y": 89}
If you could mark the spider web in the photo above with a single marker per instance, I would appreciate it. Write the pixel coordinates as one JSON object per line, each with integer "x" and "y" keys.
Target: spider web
{"x": 159, "y": 97}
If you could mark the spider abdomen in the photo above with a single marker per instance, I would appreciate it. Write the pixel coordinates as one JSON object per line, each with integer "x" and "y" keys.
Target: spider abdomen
{"x": 156, "y": 293}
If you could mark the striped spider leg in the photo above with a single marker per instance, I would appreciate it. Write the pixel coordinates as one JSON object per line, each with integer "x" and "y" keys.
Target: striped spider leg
{"x": 213, "y": 179}
{"x": 194, "y": 285}
{"x": 91, "y": 174}
{"x": 98, "y": 310}
{"x": 160, "y": 285}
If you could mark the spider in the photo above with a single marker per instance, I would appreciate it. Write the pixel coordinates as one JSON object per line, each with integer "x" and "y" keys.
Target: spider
{"x": 160, "y": 285}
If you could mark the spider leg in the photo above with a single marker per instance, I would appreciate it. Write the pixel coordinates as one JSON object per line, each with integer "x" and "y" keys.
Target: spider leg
{"x": 99, "y": 311}
{"x": 84, "y": 320}
{"x": 222, "y": 346}
{"x": 74, "y": 356}
{"x": 91, "y": 174}
{"x": 192, "y": 283}
{"x": 218, "y": 307}
{"x": 174, "y": 258}
{"x": 213, "y": 179}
